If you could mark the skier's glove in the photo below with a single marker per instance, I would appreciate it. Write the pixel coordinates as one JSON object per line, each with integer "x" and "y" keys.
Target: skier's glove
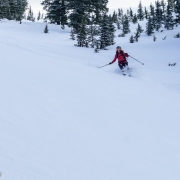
{"x": 110, "y": 63}
{"x": 127, "y": 54}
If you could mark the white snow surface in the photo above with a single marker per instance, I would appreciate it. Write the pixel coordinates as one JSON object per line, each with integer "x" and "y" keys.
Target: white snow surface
{"x": 63, "y": 118}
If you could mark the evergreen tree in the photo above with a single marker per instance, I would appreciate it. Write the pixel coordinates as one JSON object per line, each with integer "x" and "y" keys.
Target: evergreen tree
{"x": 158, "y": 16}
{"x": 39, "y": 16}
{"x": 82, "y": 34}
{"x": 135, "y": 19}
{"x": 114, "y": 17}
{"x": 92, "y": 34}
{"x": 137, "y": 36}
{"x": 139, "y": 28}
{"x": 177, "y": 11}
{"x": 4, "y": 7}
{"x": 154, "y": 38}
{"x": 46, "y": 30}
{"x": 149, "y": 27}
{"x": 163, "y": 5}
{"x": 21, "y": 8}
{"x": 131, "y": 40}
{"x": 140, "y": 14}
{"x": 98, "y": 8}
{"x": 72, "y": 34}
{"x": 126, "y": 25}
{"x": 111, "y": 32}
{"x": 131, "y": 14}
{"x": 169, "y": 21}
{"x": 146, "y": 13}
{"x": 152, "y": 10}
{"x": 104, "y": 32}
{"x": 30, "y": 15}
{"x": 56, "y": 11}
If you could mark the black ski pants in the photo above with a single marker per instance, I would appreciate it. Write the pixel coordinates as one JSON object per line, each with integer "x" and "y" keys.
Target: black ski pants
{"x": 122, "y": 66}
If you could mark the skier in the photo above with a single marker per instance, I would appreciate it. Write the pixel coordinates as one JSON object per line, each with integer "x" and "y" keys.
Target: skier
{"x": 122, "y": 61}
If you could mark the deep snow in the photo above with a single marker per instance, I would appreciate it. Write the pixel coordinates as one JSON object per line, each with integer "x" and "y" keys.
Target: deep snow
{"x": 62, "y": 117}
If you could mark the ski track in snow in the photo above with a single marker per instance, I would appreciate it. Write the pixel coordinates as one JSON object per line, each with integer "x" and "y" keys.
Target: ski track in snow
{"x": 61, "y": 117}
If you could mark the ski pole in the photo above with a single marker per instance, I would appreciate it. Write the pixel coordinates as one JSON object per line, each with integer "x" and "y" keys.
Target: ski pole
{"x": 137, "y": 60}
{"x": 104, "y": 66}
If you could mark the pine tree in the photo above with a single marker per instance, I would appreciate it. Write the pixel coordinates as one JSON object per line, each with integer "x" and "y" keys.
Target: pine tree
{"x": 152, "y": 10}
{"x": 46, "y": 30}
{"x": 131, "y": 40}
{"x": 39, "y": 16}
{"x": 30, "y": 15}
{"x": 111, "y": 32}
{"x": 135, "y": 19}
{"x": 21, "y": 8}
{"x": 177, "y": 11}
{"x": 72, "y": 34}
{"x": 158, "y": 16}
{"x": 98, "y": 8}
{"x": 137, "y": 36}
{"x": 92, "y": 34}
{"x": 4, "y": 6}
{"x": 169, "y": 21}
{"x": 146, "y": 13}
{"x": 82, "y": 34}
{"x": 114, "y": 17}
{"x": 56, "y": 11}
{"x": 131, "y": 14}
{"x": 126, "y": 25}
{"x": 140, "y": 14}
{"x": 139, "y": 28}
{"x": 149, "y": 27}
{"x": 154, "y": 38}
{"x": 104, "y": 32}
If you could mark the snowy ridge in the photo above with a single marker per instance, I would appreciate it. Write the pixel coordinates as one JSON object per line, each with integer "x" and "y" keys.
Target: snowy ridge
{"x": 62, "y": 117}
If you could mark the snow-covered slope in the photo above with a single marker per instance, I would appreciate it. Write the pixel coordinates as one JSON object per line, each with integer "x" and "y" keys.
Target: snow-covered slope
{"x": 61, "y": 117}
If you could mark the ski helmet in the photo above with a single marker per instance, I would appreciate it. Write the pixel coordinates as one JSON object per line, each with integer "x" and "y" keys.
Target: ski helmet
{"x": 118, "y": 47}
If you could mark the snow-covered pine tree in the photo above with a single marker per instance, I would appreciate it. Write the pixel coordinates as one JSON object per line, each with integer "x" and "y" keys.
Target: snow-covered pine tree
{"x": 146, "y": 13}
{"x": 154, "y": 38}
{"x": 149, "y": 27}
{"x": 30, "y": 15}
{"x": 139, "y": 28}
{"x": 137, "y": 36}
{"x": 163, "y": 6}
{"x": 114, "y": 17}
{"x": 82, "y": 34}
{"x": 56, "y": 11}
{"x": 169, "y": 20}
{"x": 92, "y": 34}
{"x": 140, "y": 12}
{"x": 21, "y": 8}
{"x": 126, "y": 25}
{"x": 111, "y": 32}
{"x": 135, "y": 19}
{"x": 158, "y": 15}
{"x": 120, "y": 18}
{"x": 4, "y": 7}
{"x": 131, "y": 40}
{"x": 131, "y": 15}
{"x": 152, "y": 10}
{"x": 46, "y": 30}
{"x": 39, "y": 16}
{"x": 97, "y": 8}
{"x": 177, "y": 11}
{"x": 104, "y": 32}
{"x": 72, "y": 34}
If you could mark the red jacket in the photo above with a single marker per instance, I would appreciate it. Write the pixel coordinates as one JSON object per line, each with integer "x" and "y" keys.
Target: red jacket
{"x": 121, "y": 57}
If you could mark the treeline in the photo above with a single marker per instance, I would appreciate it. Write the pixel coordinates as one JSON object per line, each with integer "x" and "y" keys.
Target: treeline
{"x": 13, "y": 9}
{"x": 160, "y": 15}
{"x": 90, "y": 24}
